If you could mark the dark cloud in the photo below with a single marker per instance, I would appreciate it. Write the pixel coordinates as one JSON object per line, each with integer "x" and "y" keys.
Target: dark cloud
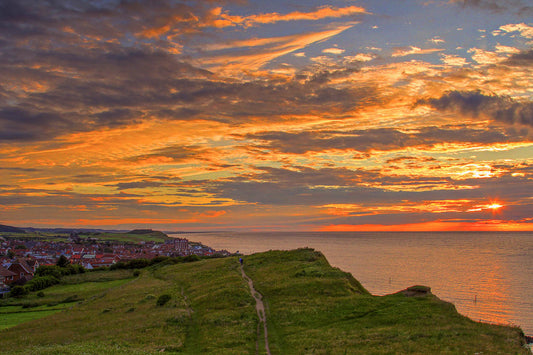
{"x": 475, "y": 104}
{"x": 375, "y": 139}
{"x": 129, "y": 86}
{"x": 177, "y": 153}
{"x": 522, "y": 59}
{"x": 317, "y": 187}
{"x": 520, "y": 7}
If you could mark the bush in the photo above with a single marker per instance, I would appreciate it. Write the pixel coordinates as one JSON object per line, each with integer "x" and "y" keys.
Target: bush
{"x": 40, "y": 294}
{"x": 52, "y": 270}
{"x": 158, "y": 259}
{"x": 58, "y": 271}
{"x": 191, "y": 258}
{"x": 41, "y": 282}
{"x": 138, "y": 263}
{"x": 136, "y": 273}
{"x": 18, "y": 291}
{"x": 164, "y": 298}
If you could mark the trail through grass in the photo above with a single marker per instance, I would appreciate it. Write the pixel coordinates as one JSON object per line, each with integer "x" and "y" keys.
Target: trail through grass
{"x": 260, "y": 309}
{"x": 311, "y": 308}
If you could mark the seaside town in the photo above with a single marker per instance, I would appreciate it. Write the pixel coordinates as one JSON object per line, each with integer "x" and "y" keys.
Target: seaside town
{"x": 21, "y": 257}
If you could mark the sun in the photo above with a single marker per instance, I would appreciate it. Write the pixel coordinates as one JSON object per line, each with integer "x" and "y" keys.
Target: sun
{"x": 494, "y": 206}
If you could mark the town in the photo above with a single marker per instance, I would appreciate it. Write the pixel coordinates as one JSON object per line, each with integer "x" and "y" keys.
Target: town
{"x": 21, "y": 257}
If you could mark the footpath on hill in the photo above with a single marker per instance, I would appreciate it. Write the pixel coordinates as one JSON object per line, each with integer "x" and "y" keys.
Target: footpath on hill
{"x": 260, "y": 308}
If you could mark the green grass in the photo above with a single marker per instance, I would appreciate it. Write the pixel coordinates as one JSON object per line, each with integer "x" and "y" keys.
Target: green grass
{"x": 311, "y": 308}
{"x": 315, "y": 309}
{"x": 45, "y": 236}
{"x": 14, "y": 315}
{"x": 154, "y": 236}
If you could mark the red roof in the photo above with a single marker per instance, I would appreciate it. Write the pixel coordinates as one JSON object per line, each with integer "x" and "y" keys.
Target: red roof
{"x": 5, "y": 272}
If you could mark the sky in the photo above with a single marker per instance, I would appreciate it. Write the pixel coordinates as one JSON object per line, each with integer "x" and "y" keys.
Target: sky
{"x": 371, "y": 115}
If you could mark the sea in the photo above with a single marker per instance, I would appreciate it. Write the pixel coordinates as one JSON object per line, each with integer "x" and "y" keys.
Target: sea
{"x": 486, "y": 275}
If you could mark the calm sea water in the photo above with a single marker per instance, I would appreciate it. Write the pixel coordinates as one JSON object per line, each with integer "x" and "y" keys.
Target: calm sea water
{"x": 486, "y": 275}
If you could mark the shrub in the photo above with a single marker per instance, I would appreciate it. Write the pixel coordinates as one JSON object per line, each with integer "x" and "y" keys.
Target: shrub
{"x": 191, "y": 258}
{"x": 40, "y": 294}
{"x": 138, "y": 263}
{"x": 136, "y": 273}
{"x": 41, "y": 282}
{"x": 164, "y": 298}
{"x": 158, "y": 259}
{"x": 45, "y": 270}
{"x": 18, "y": 291}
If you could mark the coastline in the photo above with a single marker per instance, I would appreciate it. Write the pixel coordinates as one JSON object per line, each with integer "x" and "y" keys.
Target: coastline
{"x": 492, "y": 266}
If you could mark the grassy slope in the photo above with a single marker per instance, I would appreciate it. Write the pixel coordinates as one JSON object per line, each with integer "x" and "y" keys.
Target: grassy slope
{"x": 311, "y": 309}
{"x": 314, "y": 309}
{"x": 210, "y": 312}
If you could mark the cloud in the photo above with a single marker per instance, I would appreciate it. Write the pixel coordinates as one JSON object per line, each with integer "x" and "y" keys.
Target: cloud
{"x": 326, "y": 186}
{"x": 224, "y": 19}
{"x": 485, "y": 57}
{"x": 525, "y": 30}
{"x": 333, "y": 50}
{"x": 382, "y": 139}
{"x": 454, "y": 60}
{"x": 522, "y": 59}
{"x": 361, "y": 57}
{"x": 476, "y": 104}
{"x": 405, "y": 51}
{"x": 506, "y": 49}
{"x": 272, "y": 48}
{"x": 521, "y": 7}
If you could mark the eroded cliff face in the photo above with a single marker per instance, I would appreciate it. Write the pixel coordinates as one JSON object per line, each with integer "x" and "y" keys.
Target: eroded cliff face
{"x": 417, "y": 291}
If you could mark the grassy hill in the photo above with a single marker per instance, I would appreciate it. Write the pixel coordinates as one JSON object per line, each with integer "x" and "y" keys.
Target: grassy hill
{"x": 10, "y": 229}
{"x": 311, "y": 308}
{"x": 134, "y": 236}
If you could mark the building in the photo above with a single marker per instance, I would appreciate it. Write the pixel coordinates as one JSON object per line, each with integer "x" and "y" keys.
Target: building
{"x": 6, "y": 277}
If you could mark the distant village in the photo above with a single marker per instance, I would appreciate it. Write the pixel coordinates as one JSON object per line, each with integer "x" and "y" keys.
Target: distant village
{"x": 20, "y": 258}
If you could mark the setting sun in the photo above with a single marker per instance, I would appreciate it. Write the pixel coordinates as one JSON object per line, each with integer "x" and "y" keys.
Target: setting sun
{"x": 494, "y": 206}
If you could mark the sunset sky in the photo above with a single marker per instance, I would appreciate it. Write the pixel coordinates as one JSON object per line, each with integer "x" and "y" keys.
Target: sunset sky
{"x": 366, "y": 115}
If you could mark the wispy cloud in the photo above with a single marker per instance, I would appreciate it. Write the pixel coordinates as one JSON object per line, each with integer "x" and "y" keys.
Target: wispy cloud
{"x": 411, "y": 50}
{"x": 271, "y": 48}
{"x": 223, "y": 19}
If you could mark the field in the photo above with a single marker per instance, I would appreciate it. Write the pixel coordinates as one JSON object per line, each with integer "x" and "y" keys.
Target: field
{"x": 157, "y": 237}
{"x": 130, "y": 237}
{"x": 311, "y": 308}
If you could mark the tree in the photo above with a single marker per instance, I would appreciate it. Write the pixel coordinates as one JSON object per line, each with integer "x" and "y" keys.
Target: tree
{"x": 62, "y": 261}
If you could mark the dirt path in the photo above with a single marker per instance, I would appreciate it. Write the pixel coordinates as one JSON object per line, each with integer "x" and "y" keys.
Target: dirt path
{"x": 260, "y": 308}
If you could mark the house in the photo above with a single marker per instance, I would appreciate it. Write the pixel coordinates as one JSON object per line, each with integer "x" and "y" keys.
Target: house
{"x": 21, "y": 269}
{"x": 6, "y": 277}
{"x": 33, "y": 264}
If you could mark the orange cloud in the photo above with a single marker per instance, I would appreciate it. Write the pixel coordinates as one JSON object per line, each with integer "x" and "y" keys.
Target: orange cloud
{"x": 226, "y": 20}
{"x": 281, "y": 46}
{"x": 402, "y": 52}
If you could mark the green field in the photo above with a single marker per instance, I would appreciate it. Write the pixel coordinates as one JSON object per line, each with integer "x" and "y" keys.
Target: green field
{"x": 153, "y": 236}
{"x": 311, "y": 308}
{"x": 158, "y": 237}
